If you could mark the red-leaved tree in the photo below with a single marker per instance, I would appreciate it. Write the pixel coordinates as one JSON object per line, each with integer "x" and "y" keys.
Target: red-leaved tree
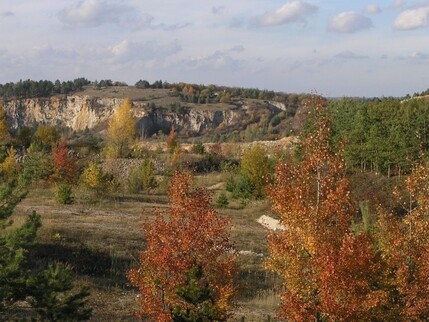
{"x": 329, "y": 272}
{"x": 187, "y": 268}
{"x": 65, "y": 164}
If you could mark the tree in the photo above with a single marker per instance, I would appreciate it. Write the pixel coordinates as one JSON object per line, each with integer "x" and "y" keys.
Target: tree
{"x": 405, "y": 245}
{"x": 37, "y": 165}
{"x": 46, "y": 135}
{"x": 121, "y": 131}
{"x": 9, "y": 167}
{"x": 258, "y": 167}
{"x": 65, "y": 164}
{"x": 328, "y": 272}
{"x": 46, "y": 291}
{"x": 94, "y": 178}
{"x": 187, "y": 268}
{"x": 4, "y": 133}
{"x": 171, "y": 141}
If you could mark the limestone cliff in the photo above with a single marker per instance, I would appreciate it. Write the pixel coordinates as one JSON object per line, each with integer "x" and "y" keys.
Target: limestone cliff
{"x": 79, "y": 112}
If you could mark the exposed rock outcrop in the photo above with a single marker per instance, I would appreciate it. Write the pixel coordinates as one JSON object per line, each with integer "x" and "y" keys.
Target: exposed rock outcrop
{"x": 80, "y": 112}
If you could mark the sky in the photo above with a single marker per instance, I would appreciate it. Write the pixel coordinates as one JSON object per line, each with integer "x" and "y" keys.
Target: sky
{"x": 333, "y": 48}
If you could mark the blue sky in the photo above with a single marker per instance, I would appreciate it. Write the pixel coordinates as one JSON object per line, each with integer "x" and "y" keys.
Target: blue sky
{"x": 335, "y": 48}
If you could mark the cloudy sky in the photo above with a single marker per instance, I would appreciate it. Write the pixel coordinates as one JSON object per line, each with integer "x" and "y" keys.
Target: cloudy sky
{"x": 335, "y": 48}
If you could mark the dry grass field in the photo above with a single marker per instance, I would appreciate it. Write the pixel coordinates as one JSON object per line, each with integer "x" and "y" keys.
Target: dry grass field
{"x": 100, "y": 239}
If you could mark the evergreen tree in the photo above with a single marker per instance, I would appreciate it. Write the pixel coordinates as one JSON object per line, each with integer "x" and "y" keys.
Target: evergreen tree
{"x": 46, "y": 291}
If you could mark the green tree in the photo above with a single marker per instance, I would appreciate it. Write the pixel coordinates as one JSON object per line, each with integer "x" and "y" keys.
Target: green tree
{"x": 256, "y": 165}
{"x": 47, "y": 291}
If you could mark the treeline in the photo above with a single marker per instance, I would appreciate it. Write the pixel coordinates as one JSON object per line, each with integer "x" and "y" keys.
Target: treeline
{"x": 386, "y": 135}
{"x": 43, "y": 88}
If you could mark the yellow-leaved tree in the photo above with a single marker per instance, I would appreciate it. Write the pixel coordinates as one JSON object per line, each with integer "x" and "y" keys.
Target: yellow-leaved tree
{"x": 4, "y": 134}
{"x": 121, "y": 131}
{"x": 9, "y": 167}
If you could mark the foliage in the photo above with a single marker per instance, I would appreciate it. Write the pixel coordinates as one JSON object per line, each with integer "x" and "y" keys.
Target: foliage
{"x": 65, "y": 164}
{"x": 36, "y": 166}
{"x": 191, "y": 237}
{"x": 385, "y": 135}
{"x": 142, "y": 177}
{"x": 4, "y": 133}
{"x": 405, "y": 243}
{"x": 64, "y": 193}
{"x": 222, "y": 200}
{"x": 198, "y": 147}
{"x": 94, "y": 178}
{"x": 43, "y": 88}
{"x": 171, "y": 141}
{"x": 256, "y": 165}
{"x": 240, "y": 187}
{"x": 328, "y": 273}
{"x": 196, "y": 293}
{"x": 9, "y": 168}
{"x": 47, "y": 291}
{"x": 46, "y": 135}
{"x": 121, "y": 131}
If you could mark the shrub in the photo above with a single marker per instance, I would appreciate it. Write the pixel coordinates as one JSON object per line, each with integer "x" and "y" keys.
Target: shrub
{"x": 222, "y": 200}
{"x": 64, "y": 193}
{"x": 141, "y": 177}
{"x": 198, "y": 148}
{"x": 241, "y": 187}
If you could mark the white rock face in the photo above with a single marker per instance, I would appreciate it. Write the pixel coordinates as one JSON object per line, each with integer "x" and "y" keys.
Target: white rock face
{"x": 270, "y": 223}
{"x": 79, "y": 112}
{"x": 75, "y": 112}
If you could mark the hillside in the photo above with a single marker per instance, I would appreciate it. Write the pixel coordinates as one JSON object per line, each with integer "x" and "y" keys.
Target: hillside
{"x": 157, "y": 110}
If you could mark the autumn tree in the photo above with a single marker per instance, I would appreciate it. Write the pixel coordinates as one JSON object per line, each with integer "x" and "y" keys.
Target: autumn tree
{"x": 121, "y": 131}
{"x": 4, "y": 133}
{"x": 65, "y": 164}
{"x": 171, "y": 141}
{"x": 46, "y": 135}
{"x": 187, "y": 269}
{"x": 329, "y": 272}
{"x": 404, "y": 242}
{"x": 94, "y": 178}
{"x": 9, "y": 168}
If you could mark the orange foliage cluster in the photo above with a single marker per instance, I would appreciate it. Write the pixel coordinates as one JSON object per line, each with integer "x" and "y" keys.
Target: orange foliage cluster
{"x": 65, "y": 164}
{"x": 191, "y": 235}
{"x": 332, "y": 272}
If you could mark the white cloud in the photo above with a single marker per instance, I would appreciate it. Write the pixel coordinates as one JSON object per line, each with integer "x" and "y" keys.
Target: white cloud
{"x": 412, "y": 19}
{"x": 217, "y": 61}
{"x": 296, "y": 11}
{"x": 129, "y": 51}
{"x": 416, "y": 57}
{"x": 93, "y": 13}
{"x": 349, "y": 22}
{"x": 147, "y": 21}
{"x": 350, "y": 55}
{"x": 372, "y": 9}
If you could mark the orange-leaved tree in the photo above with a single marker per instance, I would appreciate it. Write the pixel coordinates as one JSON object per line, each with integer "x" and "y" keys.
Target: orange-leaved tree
{"x": 329, "y": 272}
{"x": 65, "y": 164}
{"x": 186, "y": 271}
{"x": 404, "y": 240}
